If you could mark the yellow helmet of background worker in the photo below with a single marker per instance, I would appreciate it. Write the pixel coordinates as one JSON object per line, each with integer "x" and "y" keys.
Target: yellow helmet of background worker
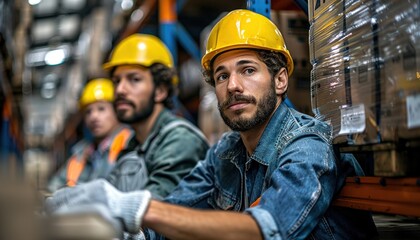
{"x": 99, "y": 89}
{"x": 244, "y": 29}
{"x": 141, "y": 49}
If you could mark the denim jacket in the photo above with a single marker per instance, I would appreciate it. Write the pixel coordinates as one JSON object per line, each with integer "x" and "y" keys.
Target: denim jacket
{"x": 170, "y": 152}
{"x": 293, "y": 169}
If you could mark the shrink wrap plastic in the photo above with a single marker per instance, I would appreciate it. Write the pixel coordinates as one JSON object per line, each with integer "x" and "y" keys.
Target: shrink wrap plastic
{"x": 365, "y": 78}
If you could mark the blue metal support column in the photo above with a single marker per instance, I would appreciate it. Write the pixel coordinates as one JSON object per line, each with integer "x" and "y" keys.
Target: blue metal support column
{"x": 171, "y": 30}
{"x": 188, "y": 42}
{"x": 10, "y": 149}
{"x": 167, "y": 30}
{"x": 262, "y": 7}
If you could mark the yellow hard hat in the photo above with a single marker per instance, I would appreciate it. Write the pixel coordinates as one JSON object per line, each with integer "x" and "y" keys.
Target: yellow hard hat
{"x": 97, "y": 90}
{"x": 245, "y": 29}
{"x": 141, "y": 49}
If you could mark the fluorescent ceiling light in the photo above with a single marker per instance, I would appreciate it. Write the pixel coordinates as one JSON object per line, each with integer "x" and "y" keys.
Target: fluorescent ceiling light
{"x": 55, "y": 57}
{"x": 34, "y": 2}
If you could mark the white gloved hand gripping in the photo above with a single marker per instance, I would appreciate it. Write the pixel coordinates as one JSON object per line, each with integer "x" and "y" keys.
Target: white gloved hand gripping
{"x": 129, "y": 207}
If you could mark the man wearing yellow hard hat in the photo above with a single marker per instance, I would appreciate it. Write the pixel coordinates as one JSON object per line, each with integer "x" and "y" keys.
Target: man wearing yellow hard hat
{"x": 94, "y": 159}
{"x": 142, "y": 70}
{"x": 273, "y": 177}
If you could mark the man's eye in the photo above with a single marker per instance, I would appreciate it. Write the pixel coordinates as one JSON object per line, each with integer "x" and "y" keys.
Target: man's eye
{"x": 115, "y": 81}
{"x": 249, "y": 71}
{"x": 135, "y": 79}
{"x": 221, "y": 77}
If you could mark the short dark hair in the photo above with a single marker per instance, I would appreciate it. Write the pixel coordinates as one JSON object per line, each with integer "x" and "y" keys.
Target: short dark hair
{"x": 164, "y": 76}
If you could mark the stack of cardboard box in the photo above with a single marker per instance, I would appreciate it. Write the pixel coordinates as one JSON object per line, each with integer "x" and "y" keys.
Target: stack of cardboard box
{"x": 365, "y": 79}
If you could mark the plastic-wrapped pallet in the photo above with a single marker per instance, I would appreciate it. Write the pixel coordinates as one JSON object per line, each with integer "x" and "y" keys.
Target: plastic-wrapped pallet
{"x": 365, "y": 79}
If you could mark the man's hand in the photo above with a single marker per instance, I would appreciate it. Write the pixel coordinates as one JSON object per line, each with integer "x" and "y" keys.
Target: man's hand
{"x": 129, "y": 207}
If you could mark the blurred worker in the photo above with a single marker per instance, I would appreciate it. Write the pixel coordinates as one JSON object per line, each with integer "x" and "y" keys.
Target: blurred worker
{"x": 273, "y": 177}
{"x": 145, "y": 81}
{"x": 96, "y": 158}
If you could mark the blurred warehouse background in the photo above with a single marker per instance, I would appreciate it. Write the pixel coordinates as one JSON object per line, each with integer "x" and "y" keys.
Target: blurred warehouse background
{"x": 357, "y": 66}
{"x": 49, "y": 48}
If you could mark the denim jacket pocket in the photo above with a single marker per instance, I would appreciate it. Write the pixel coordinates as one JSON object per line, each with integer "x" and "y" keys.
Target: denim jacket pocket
{"x": 222, "y": 200}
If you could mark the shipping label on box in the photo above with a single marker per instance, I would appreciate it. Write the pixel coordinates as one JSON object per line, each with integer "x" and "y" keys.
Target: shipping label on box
{"x": 353, "y": 119}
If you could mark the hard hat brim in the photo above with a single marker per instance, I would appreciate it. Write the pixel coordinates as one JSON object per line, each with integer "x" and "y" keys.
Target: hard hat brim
{"x": 208, "y": 58}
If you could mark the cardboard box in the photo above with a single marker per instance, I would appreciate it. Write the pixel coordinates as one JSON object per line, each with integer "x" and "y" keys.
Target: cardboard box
{"x": 400, "y": 54}
{"x": 391, "y": 160}
{"x": 366, "y": 68}
{"x": 390, "y": 163}
{"x": 294, "y": 27}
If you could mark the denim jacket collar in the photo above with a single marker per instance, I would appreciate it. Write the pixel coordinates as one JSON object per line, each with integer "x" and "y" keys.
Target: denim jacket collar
{"x": 262, "y": 153}
{"x": 270, "y": 135}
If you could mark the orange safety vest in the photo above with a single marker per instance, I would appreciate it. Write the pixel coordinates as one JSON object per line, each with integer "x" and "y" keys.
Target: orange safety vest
{"x": 76, "y": 165}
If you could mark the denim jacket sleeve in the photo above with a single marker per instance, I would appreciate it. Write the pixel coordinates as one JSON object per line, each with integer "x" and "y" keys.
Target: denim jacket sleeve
{"x": 172, "y": 158}
{"x": 300, "y": 188}
{"x": 193, "y": 191}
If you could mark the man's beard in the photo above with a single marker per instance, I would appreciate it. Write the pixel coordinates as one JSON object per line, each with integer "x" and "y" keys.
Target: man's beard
{"x": 140, "y": 115}
{"x": 264, "y": 110}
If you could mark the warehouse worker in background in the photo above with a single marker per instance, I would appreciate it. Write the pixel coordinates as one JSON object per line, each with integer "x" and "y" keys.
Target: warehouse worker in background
{"x": 273, "y": 177}
{"x": 145, "y": 81}
{"x": 92, "y": 159}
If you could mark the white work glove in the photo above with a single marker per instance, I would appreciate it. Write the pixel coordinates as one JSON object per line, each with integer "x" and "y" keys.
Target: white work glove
{"x": 81, "y": 211}
{"x": 129, "y": 207}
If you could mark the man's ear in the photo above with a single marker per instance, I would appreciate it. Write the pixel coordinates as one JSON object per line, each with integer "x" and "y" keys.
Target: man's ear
{"x": 161, "y": 93}
{"x": 281, "y": 81}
